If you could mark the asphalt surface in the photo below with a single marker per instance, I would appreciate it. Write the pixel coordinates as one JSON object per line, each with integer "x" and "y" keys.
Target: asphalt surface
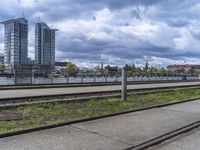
{"x": 78, "y": 90}
{"x": 189, "y": 141}
{"x": 112, "y": 133}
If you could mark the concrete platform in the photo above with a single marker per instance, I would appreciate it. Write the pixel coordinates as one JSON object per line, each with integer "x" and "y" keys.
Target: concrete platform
{"x": 78, "y": 90}
{"x": 112, "y": 133}
{"x": 189, "y": 141}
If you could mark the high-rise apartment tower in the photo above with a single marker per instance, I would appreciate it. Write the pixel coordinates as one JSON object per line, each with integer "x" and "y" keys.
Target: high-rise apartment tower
{"x": 15, "y": 42}
{"x": 44, "y": 44}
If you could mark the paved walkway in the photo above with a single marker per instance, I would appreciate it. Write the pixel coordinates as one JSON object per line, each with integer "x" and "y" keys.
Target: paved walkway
{"x": 112, "y": 133}
{"x": 74, "y": 90}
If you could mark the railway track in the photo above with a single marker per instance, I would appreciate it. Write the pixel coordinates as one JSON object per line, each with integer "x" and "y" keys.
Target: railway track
{"x": 170, "y": 135}
{"x": 145, "y": 145}
{"x": 6, "y": 103}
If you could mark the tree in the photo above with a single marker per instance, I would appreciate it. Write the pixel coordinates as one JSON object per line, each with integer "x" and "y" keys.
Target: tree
{"x": 71, "y": 68}
{"x": 2, "y": 68}
{"x": 138, "y": 70}
{"x": 163, "y": 71}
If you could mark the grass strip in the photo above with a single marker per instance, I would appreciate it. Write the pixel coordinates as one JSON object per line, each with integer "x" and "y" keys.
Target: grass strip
{"x": 54, "y": 113}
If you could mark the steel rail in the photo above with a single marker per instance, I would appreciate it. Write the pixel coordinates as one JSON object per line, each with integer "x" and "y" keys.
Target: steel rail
{"x": 165, "y": 137}
{"x": 99, "y": 93}
{"x": 16, "y": 102}
{"x": 3, "y": 135}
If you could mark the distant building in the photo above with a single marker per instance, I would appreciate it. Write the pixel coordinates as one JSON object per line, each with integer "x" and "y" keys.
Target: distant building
{"x": 101, "y": 68}
{"x": 45, "y": 45}
{"x": 61, "y": 64}
{"x": 61, "y": 67}
{"x": 184, "y": 68}
{"x": 16, "y": 42}
{"x": 1, "y": 59}
{"x": 111, "y": 70}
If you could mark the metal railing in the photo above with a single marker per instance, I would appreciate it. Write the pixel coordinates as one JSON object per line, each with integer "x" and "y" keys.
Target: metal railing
{"x": 94, "y": 78}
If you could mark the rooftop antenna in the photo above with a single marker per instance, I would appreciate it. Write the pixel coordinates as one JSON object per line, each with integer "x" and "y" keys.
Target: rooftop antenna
{"x": 147, "y": 59}
{"x": 39, "y": 17}
{"x": 23, "y": 14}
{"x": 184, "y": 61}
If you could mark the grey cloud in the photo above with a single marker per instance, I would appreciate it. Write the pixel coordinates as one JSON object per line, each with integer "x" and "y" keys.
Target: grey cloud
{"x": 177, "y": 22}
{"x": 121, "y": 46}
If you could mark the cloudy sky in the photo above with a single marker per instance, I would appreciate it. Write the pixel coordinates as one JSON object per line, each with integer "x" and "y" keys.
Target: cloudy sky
{"x": 115, "y": 32}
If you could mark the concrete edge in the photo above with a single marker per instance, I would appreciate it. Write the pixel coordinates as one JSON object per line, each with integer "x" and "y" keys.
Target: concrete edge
{"x": 4, "y": 135}
{"x": 165, "y": 137}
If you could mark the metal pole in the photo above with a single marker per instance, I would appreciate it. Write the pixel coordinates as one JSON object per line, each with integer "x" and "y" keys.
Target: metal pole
{"x": 167, "y": 76}
{"x": 33, "y": 76}
{"x": 52, "y": 80}
{"x": 67, "y": 77}
{"x": 124, "y": 85}
{"x": 15, "y": 77}
{"x": 81, "y": 77}
{"x": 148, "y": 76}
{"x": 94, "y": 77}
{"x": 142, "y": 77}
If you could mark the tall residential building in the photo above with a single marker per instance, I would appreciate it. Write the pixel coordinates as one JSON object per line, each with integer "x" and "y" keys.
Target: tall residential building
{"x": 15, "y": 42}
{"x": 1, "y": 58}
{"x": 44, "y": 44}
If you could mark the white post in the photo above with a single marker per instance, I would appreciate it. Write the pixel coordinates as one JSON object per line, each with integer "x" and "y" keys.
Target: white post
{"x": 124, "y": 85}
{"x": 67, "y": 77}
{"x": 15, "y": 77}
{"x": 33, "y": 76}
{"x": 106, "y": 78}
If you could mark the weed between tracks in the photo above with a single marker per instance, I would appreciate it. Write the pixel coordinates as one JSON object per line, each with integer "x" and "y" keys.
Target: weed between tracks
{"x": 55, "y": 113}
